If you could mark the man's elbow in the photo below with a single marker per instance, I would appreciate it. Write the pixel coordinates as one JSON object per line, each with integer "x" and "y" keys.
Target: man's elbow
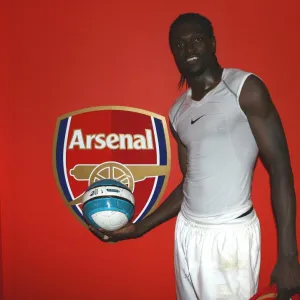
{"x": 280, "y": 170}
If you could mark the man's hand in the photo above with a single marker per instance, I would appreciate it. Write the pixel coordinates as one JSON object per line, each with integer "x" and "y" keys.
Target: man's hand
{"x": 129, "y": 231}
{"x": 286, "y": 276}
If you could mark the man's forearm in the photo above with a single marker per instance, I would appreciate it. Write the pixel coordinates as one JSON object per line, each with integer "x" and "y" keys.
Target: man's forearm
{"x": 166, "y": 211}
{"x": 284, "y": 205}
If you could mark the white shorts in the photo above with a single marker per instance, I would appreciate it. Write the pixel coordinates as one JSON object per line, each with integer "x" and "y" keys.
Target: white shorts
{"x": 214, "y": 262}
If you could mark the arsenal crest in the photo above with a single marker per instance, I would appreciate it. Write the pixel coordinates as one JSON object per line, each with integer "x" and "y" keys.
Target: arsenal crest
{"x": 122, "y": 143}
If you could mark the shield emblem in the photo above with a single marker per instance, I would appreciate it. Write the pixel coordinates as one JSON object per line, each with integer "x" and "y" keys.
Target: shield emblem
{"x": 123, "y": 143}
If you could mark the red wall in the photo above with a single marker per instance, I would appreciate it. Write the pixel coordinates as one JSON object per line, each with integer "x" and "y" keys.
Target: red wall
{"x": 5, "y": 129}
{"x": 68, "y": 55}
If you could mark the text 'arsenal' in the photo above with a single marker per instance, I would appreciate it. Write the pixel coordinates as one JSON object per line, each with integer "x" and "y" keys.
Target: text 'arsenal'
{"x": 112, "y": 141}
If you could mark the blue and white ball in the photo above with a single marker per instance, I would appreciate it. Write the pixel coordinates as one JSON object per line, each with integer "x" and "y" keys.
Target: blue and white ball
{"x": 108, "y": 204}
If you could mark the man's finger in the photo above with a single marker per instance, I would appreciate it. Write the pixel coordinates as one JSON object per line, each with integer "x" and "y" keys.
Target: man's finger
{"x": 103, "y": 237}
{"x": 106, "y": 231}
{"x": 116, "y": 238}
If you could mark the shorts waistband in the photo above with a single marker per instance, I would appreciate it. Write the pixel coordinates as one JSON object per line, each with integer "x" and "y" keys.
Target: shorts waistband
{"x": 237, "y": 223}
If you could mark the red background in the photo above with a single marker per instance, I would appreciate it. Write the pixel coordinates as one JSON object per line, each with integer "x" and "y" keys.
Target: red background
{"x": 68, "y": 55}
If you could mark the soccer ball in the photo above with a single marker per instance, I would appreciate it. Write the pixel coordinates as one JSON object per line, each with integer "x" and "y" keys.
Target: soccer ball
{"x": 108, "y": 204}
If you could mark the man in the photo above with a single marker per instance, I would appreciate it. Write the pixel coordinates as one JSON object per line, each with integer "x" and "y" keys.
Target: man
{"x": 221, "y": 123}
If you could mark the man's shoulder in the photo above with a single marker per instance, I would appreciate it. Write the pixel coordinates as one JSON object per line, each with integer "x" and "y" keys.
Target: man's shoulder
{"x": 175, "y": 106}
{"x": 179, "y": 100}
{"x": 235, "y": 78}
{"x": 234, "y": 73}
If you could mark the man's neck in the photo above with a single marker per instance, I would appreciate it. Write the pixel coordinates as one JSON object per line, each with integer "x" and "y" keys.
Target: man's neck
{"x": 203, "y": 83}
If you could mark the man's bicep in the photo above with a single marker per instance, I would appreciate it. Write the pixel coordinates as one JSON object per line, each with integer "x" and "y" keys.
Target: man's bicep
{"x": 265, "y": 122}
{"x": 270, "y": 138}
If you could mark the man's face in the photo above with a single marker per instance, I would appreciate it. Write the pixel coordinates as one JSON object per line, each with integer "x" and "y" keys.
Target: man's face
{"x": 192, "y": 49}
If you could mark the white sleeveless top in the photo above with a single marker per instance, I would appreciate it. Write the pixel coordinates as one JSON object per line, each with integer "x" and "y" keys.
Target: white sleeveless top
{"x": 221, "y": 151}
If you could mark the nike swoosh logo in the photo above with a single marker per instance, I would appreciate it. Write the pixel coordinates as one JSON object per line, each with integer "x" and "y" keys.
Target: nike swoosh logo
{"x": 194, "y": 121}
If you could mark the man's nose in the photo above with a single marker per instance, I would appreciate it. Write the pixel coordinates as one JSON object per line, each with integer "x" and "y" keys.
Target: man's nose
{"x": 190, "y": 47}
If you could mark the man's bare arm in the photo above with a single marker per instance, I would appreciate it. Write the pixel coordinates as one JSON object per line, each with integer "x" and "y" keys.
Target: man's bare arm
{"x": 172, "y": 204}
{"x": 268, "y": 131}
